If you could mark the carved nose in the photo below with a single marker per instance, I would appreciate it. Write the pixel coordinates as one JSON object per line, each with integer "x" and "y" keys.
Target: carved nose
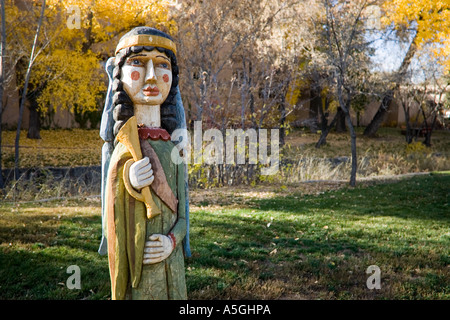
{"x": 150, "y": 75}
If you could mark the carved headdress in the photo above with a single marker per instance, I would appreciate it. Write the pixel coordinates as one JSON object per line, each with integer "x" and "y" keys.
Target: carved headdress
{"x": 146, "y": 40}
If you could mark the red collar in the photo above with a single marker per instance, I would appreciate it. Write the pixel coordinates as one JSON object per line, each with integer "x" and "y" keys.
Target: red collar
{"x": 153, "y": 133}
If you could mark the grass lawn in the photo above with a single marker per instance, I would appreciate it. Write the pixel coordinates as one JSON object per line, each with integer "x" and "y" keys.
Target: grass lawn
{"x": 310, "y": 243}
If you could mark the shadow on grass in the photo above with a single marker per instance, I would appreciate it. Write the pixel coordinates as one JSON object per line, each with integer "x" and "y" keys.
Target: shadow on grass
{"x": 36, "y": 250}
{"x": 49, "y": 230}
{"x": 42, "y": 274}
{"x": 256, "y": 263}
{"x": 320, "y": 246}
{"x": 423, "y": 198}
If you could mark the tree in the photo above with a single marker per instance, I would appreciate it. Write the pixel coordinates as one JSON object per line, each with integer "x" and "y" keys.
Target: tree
{"x": 2, "y": 77}
{"x": 427, "y": 93}
{"x": 229, "y": 60}
{"x": 432, "y": 93}
{"x": 430, "y": 21}
{"x": 406, "y": 96}
{"x": 325, "y": 106}
{"x": 206, "y": 52}
{"x": 344, "y": 53}
{"x": 236, "y": 70}
{"x": 304, "y": 43}
{"x": 24, "y": 92}
{"x": 10, "y": 20}
{"x": 318, "y": 73}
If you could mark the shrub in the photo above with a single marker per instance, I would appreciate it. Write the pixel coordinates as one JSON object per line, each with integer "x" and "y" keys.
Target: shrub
{"x": 416, "y": 148}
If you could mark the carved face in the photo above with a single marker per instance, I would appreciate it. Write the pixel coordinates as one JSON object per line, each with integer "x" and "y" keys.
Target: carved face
{"x": 147, "y": 77}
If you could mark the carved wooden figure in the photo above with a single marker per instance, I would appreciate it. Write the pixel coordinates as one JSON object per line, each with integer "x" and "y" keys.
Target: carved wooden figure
{"x": 145, "y": 208}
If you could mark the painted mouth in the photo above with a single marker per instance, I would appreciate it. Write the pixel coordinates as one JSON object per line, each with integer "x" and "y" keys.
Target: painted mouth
{"x": 151, "y": 92}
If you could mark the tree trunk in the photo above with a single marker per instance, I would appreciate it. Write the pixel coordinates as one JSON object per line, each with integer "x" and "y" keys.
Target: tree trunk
{"x": 428, "y": 133}
{"x": 2, "y": 54}
{"x": 252, "y": 99}
{"x": 190, "y": 117}
{"x": 379, "y": 117}
{"x": 314, "y": 105}
{"x": 325, "y": 131}
{"x": 408, "y": 134}
{"x": 88, "y": 32}
{"x": 24, "y": 95}
{"x": 244, "y": 91}
{"x": 282, "y": 120}
{"x": 353, "y": 148}
{"x": 345, "y": 109}
{"x": 340, "y": 121}
{"x": 323, "y": 111}
{"x": 34, "y": 126}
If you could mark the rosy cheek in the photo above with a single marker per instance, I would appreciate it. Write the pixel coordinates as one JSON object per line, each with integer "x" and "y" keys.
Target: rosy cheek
{"x": 135, "y": 75}
{"x": 166, "y": 78}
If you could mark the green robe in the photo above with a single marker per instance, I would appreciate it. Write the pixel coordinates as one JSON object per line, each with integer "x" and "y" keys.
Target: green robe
{"x": 128, "y": 228}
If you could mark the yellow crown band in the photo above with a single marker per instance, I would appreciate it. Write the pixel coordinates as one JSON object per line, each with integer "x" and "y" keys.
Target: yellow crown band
{"x": 146, "y": 40}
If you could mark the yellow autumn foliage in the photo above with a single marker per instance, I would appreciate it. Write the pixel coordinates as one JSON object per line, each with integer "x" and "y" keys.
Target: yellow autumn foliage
{"x": 431, "y": 18}
{"x": 68, "y": 69}
{"x": 75, "y": 79}
{"x": 294, "y": 91}
{"x": 106, "y": 19}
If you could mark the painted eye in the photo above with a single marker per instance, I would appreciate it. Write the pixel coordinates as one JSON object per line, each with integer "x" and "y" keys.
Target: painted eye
{"x": 136, "y": 62}
{"x": 164, "y": 65}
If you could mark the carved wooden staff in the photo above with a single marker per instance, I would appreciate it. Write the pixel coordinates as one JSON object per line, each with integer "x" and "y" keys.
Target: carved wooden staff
{"x": 129, "y": 137}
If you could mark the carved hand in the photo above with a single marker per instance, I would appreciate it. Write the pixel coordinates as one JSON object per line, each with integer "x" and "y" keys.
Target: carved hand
{"x": 157, "y": 249}
{"x": 141, "y": 173}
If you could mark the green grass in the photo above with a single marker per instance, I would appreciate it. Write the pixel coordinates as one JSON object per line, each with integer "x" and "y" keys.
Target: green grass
{"x": 320, "y": 246}
{"x": 39, "y": 243}
{"x": 290, "y": 245}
